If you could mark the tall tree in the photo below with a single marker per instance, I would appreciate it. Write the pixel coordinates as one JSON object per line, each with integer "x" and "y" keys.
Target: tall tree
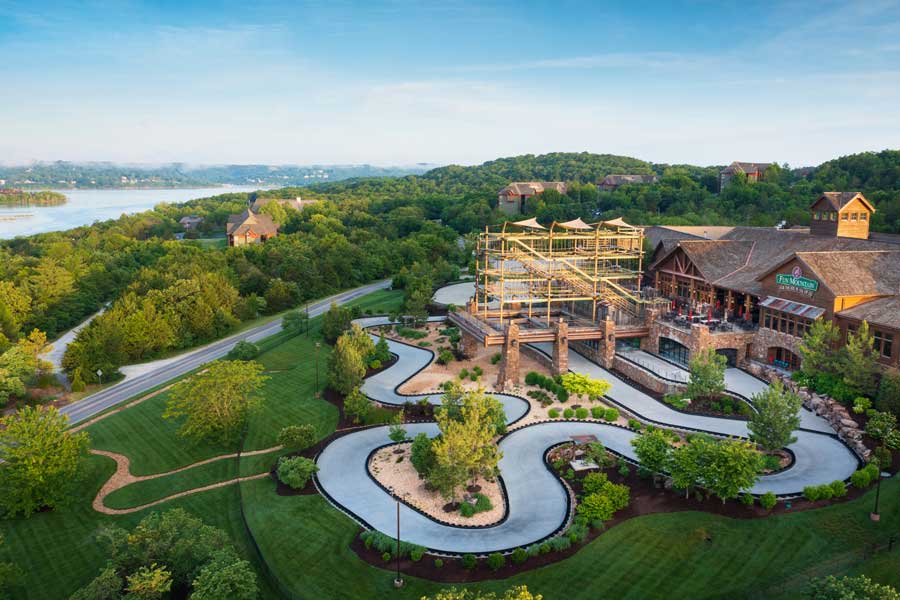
{"x": 335, "y": 322}
{"x": 707, "y": 379}
{"x": 346, "y": 367}
{"x": 818, "y": 348}
{"x": 653, "y": 450}
{"x": 216, "y": 403}
{"x": 730, "y": 467}
{"x": 776, "y": 417}
{"x": 850, "y": 588}
{"x": 859, "y": 364}
{"x": 40, "y": 460}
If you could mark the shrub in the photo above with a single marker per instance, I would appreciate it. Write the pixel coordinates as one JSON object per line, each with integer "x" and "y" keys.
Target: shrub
{"x": 747, "y": 499}
{"x": 594, "y": 483}
{"x": 596, "y": 506}
{"x": 297, "y": 437}
{"x": 438, "y": 563}
{"x": 482, "y": 503}
{"x": 416, "y": 553}
{"x": 77, "y": 381}
{"x": 422, "y": 454}
{"x": 838, "y": 489}
{"x": 466, "y": 510}
{"x": 532, "y": 377}
{"x": 386, "y": 557}
{"x": 562, "y": 394}
{"x": 569, "y": 474}
{"x": 469, "y": 561}
{"x": 477, "y": 371}
{"x": 560, "y": 543}
{"x": 861, "y": 405}
{"x": 445, "y": 357}
{"x": 519, "y": 555}
{"x": 375, "y": 364}
{"x": 553, "y": 413}
{"x": 581, "y": 413}
{"x": 634, "y": 424}
{"x": 597, "y": 412}
{"x": 568, "y": 413}
{"x": 496, "y": 561}
{"x": 624, "y": 468}
{"x": 295, "y": 472}
{"x": 546, "y": 548}
{"x": 533, "y": 550}
{"x": 578, "y": 532}
{"x": 463, "y": 373}
{"x": 244, "y": 350}
{"x": 496, "y": 358}
{"x": 865, "y": 477}
{"x": 675, "y": 400}
{"x": 768, "y": 500}
{"x": 811, "y": 493}
{"x": 611, "y": 414}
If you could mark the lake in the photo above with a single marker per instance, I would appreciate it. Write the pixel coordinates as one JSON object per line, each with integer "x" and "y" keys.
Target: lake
{"x": 86, "y": 206}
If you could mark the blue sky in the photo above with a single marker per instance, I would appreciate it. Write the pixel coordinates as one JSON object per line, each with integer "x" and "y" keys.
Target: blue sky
{"x": 449, "y": 82}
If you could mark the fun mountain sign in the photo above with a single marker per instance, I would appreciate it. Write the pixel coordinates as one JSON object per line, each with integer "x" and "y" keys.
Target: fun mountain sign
{"x": 796, "y": 280}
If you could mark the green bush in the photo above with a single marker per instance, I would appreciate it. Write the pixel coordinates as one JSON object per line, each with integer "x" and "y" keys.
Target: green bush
{"x": 747, "y": 499}
{"x": 413, "y": 334}
{"x": 594, "y": 483}
{"x": 598, "y": 412}
{"x": 838, "y": 489}
{"x": 496, "y": 358}
{"x": 477, "y": 370}
{"x": 375, "y": 364}
{"x": 466, "y": 510}
{"x": 562, "y": 394}
{"x": 568, "y": 413}
{"x": 865, "y": 477}
{"x": 386, "y": 557}
{"x": 297, "y": 437}
{"x": 482, "y": 503}
{"x": 676, "y": 401}
{"x": 438, "y": 563}
{"x": 553, "y": 413}
{"x": 581, "y": 413}
{"x": 496, "y": 561}
{"x": 533, "y": 550}
{"x": 463, "y": 373}
{"x": 546, "y": 548}
{"x": 243, "y": 350}
{"x": 635, "y": 424}
{"x": 624, "y": 468}
{"x": 811, "y": 493}
{"x": 768, "y": 500}
{"x": 577, "y": 533}
{"x": 561, "y": 543}
{"x": 469, "y": 561}
{"x": 296, "y": 471}
{"x": 532, "y": 377}
{"x": 445, "y": 357}
{"x": 416, "y": 553}
{"x": 424, "y": 344}
{"x": 611, "y": 414}
{"x": 519, "y": 555}
{"x": 861, "y": 405}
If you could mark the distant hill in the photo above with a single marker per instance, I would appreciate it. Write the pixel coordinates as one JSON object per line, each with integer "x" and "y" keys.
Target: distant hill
{"x": 63, "y": 174}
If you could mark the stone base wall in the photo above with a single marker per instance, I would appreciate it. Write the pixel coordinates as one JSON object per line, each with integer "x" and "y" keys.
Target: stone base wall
{"x": 700, "y": 338}
{"x": 767, "y": 338}
{"x": 646, "y": 378}
{"x": 826, "y": 407}
{"x": 468, "y": 344}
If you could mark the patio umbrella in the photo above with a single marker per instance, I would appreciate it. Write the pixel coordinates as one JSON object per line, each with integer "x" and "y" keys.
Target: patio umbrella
{"x": 709, "y": 314}
{"x": 691, "y": 313}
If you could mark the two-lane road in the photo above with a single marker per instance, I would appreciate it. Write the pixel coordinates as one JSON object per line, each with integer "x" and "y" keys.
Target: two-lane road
{"x": 97, "y": 403}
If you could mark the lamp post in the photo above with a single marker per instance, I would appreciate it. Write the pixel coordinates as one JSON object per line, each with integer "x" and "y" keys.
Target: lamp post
{"x": 398, "y": 581}
{"x": 874, "y": 516}
{"x": 307, "y": 320}
{"x": 318, "y": 344}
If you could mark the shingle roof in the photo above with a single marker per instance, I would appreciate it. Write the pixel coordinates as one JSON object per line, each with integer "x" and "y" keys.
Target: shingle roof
{"x": 526, "y": 188}
{"x": 746, "y": 167}
{"x": 249, "y": 221}
{"x": 883, "y": 311}
{"x": 839, "y": 200}
{"x": 856, "y": 273}
{"x": 625, "y": 179}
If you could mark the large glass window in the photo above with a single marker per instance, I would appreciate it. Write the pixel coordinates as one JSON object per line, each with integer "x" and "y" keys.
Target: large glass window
{"x": 884, "y": 343}
{"x": 674, "y": 351}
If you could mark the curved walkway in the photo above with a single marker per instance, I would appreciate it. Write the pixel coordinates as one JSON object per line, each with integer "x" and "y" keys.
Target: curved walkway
{"x": 737, "y": 382}
{"x": 537, "y": 502}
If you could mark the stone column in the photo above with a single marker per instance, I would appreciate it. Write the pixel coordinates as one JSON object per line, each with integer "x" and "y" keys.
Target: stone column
{"x": 509, "y": 365}
{"x": 561, "y": 348}
{"x": 468, "y": 344}
{"x": 607, "y": 350}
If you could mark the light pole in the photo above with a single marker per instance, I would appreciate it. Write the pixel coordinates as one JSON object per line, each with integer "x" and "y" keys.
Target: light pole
{"x": 874, "y": 516}
{"x": 398, "y": 581}
{"x": 307, "y": 319}
{"x": 318, "y": 345}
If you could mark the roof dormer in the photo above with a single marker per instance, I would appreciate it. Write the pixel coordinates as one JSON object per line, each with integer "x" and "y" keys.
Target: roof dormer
{"x": 841, "y": 214}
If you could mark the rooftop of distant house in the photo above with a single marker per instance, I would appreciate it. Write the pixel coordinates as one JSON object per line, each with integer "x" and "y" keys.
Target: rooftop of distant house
{"x": 530, "y": 188}
{"x": 617, "y": 180}
{"x": 746, "y": 167}
{"x": 249, "y": 221}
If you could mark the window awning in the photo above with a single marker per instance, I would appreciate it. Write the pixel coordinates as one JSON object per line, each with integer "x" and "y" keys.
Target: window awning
{"x": 795, "y": 308}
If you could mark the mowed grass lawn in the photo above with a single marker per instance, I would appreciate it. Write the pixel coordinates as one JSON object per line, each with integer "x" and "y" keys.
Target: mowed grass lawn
{"x": 57, "y": 551}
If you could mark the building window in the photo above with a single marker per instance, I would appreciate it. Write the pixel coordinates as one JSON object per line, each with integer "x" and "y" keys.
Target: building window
{"x": 845, "y": 216}
{"x": 884, "y": 343}
{"x": 832, "y": 216}
{"x": 817, "y": 215}
{"x": 863, "y": 216}
{"x": 854, "y": 216}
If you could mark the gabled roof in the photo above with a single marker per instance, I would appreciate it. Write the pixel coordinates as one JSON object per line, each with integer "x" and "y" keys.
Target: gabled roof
{"x": 882, "y": 311}
{"x": 714, "y": 259}
{"x": 248, "y": 221}
{"x": 838, "y": 200}
{"x": 530, "y": 188}
{"x": 626, "y": 179}
{"x": 853, "y": 272}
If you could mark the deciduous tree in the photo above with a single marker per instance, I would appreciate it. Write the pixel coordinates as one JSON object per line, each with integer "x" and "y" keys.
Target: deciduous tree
{"x": 707, "y": 379}
{"x": 850, "y": 588}
{"x": 653, "y": 450}
{"x": 776, "y": 417}
{"x": 335, "y": 322}
{"x": 357, "y": 406}
{"x": 346, "y": 367}
{"x": 40, "y": 460}
{"x": 215, "y": 403}
{"x": 582, "y": 385}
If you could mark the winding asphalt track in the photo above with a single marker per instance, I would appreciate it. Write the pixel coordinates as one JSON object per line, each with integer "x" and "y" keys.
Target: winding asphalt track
{"x": 537, "y": 503}
{"x": 97, "y": 403}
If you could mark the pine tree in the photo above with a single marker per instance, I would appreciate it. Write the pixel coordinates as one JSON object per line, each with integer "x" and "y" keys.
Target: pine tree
{"x": 818, "y": 348}
{"x": 346, "y": 368}
{"x": 859, "y": 364}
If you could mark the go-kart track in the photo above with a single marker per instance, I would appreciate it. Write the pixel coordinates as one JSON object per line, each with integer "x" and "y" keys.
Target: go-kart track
{"x": 537, "y": 503}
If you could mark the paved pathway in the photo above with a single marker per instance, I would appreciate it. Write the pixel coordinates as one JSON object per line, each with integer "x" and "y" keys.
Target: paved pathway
{"x": 536, "y": 500}
{"x": 183, "y": 363}
{"x": 737, "y": 382}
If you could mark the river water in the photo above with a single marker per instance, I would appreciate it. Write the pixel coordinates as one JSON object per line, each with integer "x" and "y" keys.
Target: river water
{"x": 87, "y": 206}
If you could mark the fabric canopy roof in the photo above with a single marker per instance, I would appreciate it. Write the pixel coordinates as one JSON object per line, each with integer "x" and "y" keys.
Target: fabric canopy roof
{"x": 575, "y": 224}
{"x": 530, "y": 223}
{"x": 795, "y": 308}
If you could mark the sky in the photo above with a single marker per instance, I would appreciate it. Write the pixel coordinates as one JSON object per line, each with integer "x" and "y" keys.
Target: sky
{"x": 396, "y": 83}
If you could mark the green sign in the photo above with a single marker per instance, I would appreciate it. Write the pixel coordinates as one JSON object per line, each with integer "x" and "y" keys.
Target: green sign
{"x": 803, "y": 283}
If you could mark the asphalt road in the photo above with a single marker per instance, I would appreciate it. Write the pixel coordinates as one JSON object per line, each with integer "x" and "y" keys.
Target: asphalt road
{"x": 97, "y": 403}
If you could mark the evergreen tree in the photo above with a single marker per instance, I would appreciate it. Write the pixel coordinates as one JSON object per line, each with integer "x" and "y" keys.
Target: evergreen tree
{"x": 775, "y": 418}
{"x": 346, "y": 368}
{"x": 818, "y": 348}
{"x": 859, "y": 364}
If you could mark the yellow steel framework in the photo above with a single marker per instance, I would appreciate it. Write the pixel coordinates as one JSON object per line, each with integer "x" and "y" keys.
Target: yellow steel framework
{"x": 525, "y": 264}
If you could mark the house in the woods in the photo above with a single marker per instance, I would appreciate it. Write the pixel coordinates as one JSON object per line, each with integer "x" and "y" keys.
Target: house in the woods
{"x": 612, "y": 182}
{"x": 191, "y": 222}
{"x": 250, "y": 228}
{"x": 753, "y": 171}
{"x": 512, "y": 197}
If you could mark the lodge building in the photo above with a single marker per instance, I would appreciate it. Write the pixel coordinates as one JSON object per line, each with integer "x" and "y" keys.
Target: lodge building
{"x": 753, "y": 292}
